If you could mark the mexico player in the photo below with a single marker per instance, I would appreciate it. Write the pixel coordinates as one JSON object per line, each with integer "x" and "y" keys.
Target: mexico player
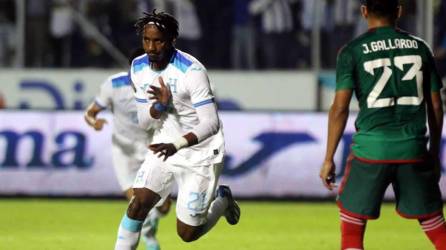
{"x": 129, "y": 141}
{"x": 394, "y": 78}
{"x": 188, "y": 144}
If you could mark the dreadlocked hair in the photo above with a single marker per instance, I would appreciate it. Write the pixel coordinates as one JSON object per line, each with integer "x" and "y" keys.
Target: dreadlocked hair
{"x": 165, "y": 22}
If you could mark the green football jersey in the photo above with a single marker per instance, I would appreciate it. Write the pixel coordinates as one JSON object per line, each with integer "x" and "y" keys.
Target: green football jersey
{"x": 391, "y": 72}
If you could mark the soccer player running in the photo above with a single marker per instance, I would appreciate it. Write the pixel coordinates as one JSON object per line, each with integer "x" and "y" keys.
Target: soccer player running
{"x": 129, "y": 141}
{"x": 395, "y": 81}
{"x": 173, "y": 93}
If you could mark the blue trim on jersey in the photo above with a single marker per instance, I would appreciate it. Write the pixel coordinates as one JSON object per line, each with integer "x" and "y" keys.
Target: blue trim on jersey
{"x": 141, "y": 100}
{"x": 140, "y": 63}
{"x": 99, "y": 104}
{"x": 120, "y": 81}
{"x": 198, "y": 104}
{"x": 181, "y": 62}
{"x": 131, "y": 224}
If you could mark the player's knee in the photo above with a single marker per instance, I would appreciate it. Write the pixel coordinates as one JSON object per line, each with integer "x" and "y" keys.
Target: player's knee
{"x": 188, "y": 235}
{"x": 164, "y": 209}
{"x": 139, "y": 206}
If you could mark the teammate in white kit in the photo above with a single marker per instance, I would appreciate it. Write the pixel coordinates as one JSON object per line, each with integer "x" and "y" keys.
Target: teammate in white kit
{"x": 174, "y": 95}
{"x": 129, "y": 141}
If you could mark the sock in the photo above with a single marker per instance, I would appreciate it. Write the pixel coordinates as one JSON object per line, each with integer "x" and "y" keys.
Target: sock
{"x": 215, "y": 211}
{"x": 128, "y": 234}
{"x": 435, "y": 229}
{"x": 149, "y": 229}
{"x": 352, "y": 230}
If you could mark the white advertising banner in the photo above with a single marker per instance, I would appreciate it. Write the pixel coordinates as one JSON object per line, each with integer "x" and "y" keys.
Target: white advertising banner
{"x": 236, "y": 90}
{"x": 268, "y": 154}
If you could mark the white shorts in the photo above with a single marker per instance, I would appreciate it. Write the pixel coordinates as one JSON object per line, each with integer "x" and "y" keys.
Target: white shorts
{"x": 127, "y": 159}
{"x": 196, "y": 186}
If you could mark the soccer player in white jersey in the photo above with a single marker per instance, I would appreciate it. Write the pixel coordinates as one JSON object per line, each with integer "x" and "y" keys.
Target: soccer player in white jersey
{"x": 173, "y": 92}
{"x": 129, "y": 141}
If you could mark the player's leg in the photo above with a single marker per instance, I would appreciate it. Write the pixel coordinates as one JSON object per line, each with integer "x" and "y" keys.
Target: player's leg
{"x": 150, "y": 225}
{"x": 352, "y": 232}
{"x": 198, "y": 208}
{"x": 152, "y": 183}
{"x": 360, "y": 196}
{"x": 129, "y": 229}
{"x": 127, "y": 158}
{"x": 124, "y": 166}
{"x": 418, "y": 196}
{"x": 435, "y": 229}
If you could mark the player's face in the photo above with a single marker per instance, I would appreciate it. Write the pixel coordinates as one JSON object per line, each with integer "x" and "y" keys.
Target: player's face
{"x": 155, "y": 43}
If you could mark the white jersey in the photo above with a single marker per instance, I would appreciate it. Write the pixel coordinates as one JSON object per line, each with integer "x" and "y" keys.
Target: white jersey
{"x": 189, "y": 91}
{"x": 116, "y": 93}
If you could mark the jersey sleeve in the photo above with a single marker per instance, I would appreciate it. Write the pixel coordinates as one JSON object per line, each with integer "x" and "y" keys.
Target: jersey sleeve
{"x": 104, "y": 97}
{"x": 199, "y": 87}
{"x": 344, "y": 70}
{"x": 137, "y": 84}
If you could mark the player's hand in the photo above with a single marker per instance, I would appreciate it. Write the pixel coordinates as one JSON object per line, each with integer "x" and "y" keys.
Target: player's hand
{"x": 97, "y": 124}
{"x": 327, "y": 174}
{"x": 161, "y": 94}
{"x": 163, "y": 149}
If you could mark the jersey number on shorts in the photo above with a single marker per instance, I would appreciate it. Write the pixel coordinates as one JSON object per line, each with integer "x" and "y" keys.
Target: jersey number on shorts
{"x": 414, "y": 72}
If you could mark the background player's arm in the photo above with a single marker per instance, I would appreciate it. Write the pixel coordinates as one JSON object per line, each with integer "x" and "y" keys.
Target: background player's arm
{"x": 90, "y": 116}
{"x": 337, "y": 120}
{"x": 102, "y": 100}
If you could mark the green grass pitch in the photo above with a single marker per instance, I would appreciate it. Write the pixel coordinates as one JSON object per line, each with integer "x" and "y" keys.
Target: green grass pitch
{"x": 39, "y": 224}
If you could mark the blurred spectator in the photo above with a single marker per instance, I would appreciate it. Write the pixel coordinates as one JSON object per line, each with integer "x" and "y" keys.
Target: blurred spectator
{"x": 216, "y": 30}
{"x": 408, "y": 20}
{"x": 61, "y": 29}
{"x": 7, "y": 37}
{"x": 190, "y": 28}
{"x": 123, "y": 15}
{"x": 240, "y": 34}
{"x": 243, "y": 37}
{"x": 276, "y": 32}
{"x": 345, "y": 18}
{"x": 306, "y": 18}
{"x": 36, "y": 33}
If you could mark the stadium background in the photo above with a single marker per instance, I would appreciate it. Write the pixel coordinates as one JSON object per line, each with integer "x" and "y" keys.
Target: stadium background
{"x": 273, "y": 72}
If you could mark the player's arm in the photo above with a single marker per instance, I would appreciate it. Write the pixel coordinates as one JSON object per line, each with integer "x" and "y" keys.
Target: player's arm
{"x": 337, "y": 119}
{"x": 434, "y": 106}
{"x": 160, "y": 97}
{"x": 102, "y": 100}
{"x": 146, "y": 119}
{"x": 204, "y": 104}
{"x": 435, "y": 114}
{"x": 435, "y": 121}
{"x": 338, "y": 115}
{"x": 90, "y": 116}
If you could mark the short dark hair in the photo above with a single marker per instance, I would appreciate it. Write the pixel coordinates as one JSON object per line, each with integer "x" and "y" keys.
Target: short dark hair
{"x": 165, "y": 22}
{"x": 383, "y": 8}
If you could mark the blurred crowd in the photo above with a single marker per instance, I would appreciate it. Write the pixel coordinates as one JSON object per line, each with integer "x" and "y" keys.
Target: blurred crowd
{"x": 223, "y": 34}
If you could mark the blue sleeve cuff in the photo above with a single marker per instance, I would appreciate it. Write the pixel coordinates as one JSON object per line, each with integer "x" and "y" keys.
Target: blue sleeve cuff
{"x": 208, "y": 101}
